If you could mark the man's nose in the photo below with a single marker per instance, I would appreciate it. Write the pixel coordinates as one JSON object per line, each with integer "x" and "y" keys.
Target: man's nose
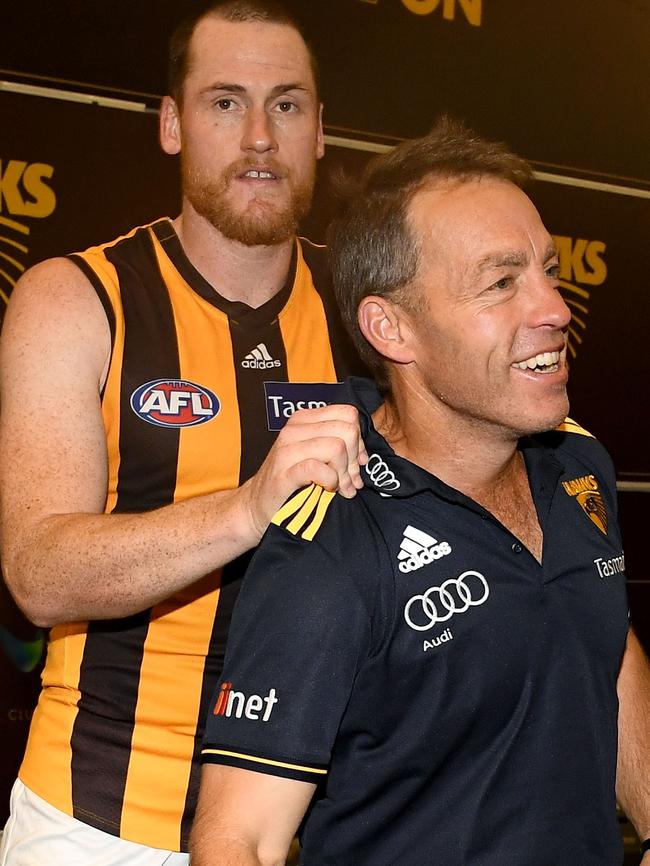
{"x": 258, "y": 134}
{"x": 550, "y": 307}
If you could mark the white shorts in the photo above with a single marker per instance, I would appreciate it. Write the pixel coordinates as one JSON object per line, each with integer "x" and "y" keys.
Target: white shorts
{"x": 37, "y": 834}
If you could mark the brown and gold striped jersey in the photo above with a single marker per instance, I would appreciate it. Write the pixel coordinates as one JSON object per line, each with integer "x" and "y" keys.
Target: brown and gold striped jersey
{"x": 115, "y": 737}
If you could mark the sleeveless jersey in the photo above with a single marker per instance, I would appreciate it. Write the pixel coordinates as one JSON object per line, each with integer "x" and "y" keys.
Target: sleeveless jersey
{"x": 116, "y": 735}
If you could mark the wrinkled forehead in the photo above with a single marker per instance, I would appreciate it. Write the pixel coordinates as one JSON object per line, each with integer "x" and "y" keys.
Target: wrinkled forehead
{"x": 246, "y": 52}
{"x": 468, "y": 219}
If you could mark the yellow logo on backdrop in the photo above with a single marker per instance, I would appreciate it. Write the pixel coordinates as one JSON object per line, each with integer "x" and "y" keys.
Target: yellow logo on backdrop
{"x": 24, "y": 192}
{"x": 581, "y": 264}
{"x": 581, "y": 260}
{"x": 471, "y": 9}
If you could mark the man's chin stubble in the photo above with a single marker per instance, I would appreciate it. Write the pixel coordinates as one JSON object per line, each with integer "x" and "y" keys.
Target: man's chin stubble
{"x": 253, "y": 230}
{"x": 267, "y": 227}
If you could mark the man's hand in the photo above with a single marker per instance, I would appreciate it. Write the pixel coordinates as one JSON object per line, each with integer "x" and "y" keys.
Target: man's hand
{"x": 321, "y": 446}
{"x": 64, "y": 559}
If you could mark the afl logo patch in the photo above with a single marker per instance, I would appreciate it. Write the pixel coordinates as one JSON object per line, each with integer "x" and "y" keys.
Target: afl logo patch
{"x": 175, "y": 403}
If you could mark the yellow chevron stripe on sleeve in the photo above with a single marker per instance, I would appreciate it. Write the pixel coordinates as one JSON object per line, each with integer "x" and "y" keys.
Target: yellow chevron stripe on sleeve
{"x": 571, "y": 426}
{"x": 292, "y": 505}
{"x": 321, "y": 510}
{"x": 294, "y": 526}
{"x": 304, "y": 511}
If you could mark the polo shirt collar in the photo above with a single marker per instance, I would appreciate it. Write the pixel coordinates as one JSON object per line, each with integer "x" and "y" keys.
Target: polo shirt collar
{"x": 391, "y": 475}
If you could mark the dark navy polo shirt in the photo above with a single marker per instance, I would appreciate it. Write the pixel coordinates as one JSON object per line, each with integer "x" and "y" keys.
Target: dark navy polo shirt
{"x": 453, "y": 699}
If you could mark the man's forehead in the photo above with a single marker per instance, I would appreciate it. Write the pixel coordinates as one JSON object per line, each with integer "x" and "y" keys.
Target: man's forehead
{"x": 237, "y": 51}
{"x": 479, "y": 218}
{"x": 439, "y": 197}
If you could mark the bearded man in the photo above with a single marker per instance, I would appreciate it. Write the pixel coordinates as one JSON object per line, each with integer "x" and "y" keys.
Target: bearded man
{"x": 129, "y": 508}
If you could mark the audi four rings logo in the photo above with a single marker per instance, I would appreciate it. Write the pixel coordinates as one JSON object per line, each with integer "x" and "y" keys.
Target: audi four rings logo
{"x": 440, "y": 603}
{"x": 381, "y": 476}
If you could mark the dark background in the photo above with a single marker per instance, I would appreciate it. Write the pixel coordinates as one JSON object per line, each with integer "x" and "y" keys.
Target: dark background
{"x": 565, "y": 83}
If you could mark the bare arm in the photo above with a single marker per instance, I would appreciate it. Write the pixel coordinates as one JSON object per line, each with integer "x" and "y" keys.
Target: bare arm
{"x": 64, "y": 560}
{"x": 245, "y": 818}
{"x": 633, "y": 769}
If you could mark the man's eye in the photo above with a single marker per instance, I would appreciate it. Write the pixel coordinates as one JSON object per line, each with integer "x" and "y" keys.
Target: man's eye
{"x": 225, "y": 104}
{"x": 286, "y": 107}
{"x": 553, "y": 271}
{"x": 503, "y": 283}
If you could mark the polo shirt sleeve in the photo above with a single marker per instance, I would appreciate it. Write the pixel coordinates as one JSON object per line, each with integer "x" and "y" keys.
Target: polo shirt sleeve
{"x": 300, "y": 630}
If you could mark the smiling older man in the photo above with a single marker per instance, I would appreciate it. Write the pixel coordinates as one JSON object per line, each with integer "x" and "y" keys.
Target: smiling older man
{"x": 444, "y": 683}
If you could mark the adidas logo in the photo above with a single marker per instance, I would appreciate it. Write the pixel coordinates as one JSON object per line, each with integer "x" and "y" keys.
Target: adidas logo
{"x": 259, "y": 359}
{"x": 419, "y": 549}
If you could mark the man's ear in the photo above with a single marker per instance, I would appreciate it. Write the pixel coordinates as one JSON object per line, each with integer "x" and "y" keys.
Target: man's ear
{"x": 387, "y": 328}
{"x": 320, "y": 137}
{"x": 170, "y": 126}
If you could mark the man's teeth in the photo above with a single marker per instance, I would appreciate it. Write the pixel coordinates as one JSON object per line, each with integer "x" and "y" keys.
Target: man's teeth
{"x": 544, "y": 359}
{"x": 261, "y": 175}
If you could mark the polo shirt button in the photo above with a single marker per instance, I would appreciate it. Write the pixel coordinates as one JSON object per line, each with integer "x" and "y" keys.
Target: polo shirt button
{"x": 516, "y": 547}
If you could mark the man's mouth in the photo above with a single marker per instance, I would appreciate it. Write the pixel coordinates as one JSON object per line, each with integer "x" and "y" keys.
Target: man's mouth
{"x": 259, "y": 174}
{"x": 544, "y": 362}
